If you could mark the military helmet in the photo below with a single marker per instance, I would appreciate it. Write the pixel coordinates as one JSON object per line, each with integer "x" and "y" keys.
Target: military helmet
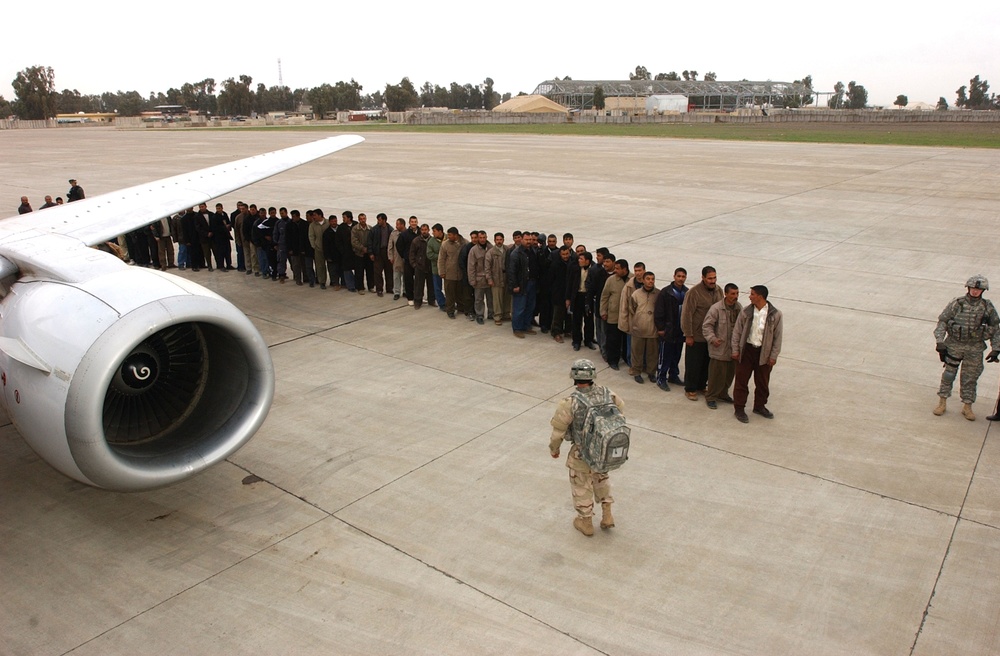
{"x": 583, "y": 370}
{"x": 978, "y": 281}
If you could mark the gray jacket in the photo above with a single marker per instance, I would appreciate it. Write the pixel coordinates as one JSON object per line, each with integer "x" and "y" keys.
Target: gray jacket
{"x": 770, "y": 345}
{"x": 717, "y": 325}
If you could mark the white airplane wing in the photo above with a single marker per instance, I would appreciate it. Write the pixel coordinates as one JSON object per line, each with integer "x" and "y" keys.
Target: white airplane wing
{"x": 122, "y": 377}
{"x": 97, "y": 219}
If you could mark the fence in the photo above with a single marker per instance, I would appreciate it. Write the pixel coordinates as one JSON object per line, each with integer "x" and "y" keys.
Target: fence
{"x": 482, "y": 117}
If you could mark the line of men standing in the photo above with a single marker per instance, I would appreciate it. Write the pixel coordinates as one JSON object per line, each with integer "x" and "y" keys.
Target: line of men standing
{"x": 572, "y": 293}
{"x": 724, "y": 340}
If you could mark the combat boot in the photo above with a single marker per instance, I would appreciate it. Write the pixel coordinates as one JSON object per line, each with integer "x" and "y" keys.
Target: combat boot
{"x": 941, "y": 406}
{"x": 607, "y": 521}
{"x": 585, "y": 525}
{"x": 967, "y": 412}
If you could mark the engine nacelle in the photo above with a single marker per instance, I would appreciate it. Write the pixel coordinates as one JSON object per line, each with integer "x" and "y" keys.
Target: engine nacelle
{"x": 133, "y": 379}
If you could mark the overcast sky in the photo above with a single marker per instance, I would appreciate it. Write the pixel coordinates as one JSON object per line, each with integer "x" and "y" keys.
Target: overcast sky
{"x": 922, "y": 51}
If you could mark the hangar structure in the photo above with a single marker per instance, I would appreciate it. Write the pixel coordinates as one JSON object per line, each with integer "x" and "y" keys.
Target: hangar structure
{"x": 701, "y": 94}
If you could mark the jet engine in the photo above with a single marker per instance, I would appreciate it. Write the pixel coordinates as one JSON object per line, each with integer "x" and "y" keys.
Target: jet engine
{"x": 132, "y": 379}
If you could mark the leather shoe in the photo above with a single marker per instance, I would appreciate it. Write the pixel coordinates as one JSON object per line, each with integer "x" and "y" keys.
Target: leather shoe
{"x": 639, "y": 379}
{"x": 576, "y": 347}
{"x": 763, "y": 412}
{"x": 692, "y": 396}
{"x": 591, "y": 346}
{"x": 742, "y": 417}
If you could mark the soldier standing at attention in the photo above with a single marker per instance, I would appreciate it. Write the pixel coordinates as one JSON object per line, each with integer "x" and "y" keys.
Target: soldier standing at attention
{"x": 587, "y": 485}
{"x": 962, "y": 330}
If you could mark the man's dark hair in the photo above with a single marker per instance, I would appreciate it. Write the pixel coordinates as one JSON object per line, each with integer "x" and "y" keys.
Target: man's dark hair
{"x": 564, "y": 247}
{"x": 567, "y": 235}
{"x": 680, "y": 270}
{"x": 453, "y": 230}
{"x": 347, "y": 214}
{"x": 603, "y": 250}
{"x": 609, "y": 256}
{"x": 436, "y": 226}
{"x": 497, "y": 234}
{"x": 381, "y": 215}
{"x": 318, "y": 211}
{"x": 648, "y": 273}
{"x": 517, "y": 233}
{"x": 761, "y": 291}
{"x": 730, "y": 286}
{"x": 622, "y": 263}
{"x": 639, "y": 264}
{"x": 296, "y": 213}
{"x": 705, "y": 270}
{"x": 586, "y": 255}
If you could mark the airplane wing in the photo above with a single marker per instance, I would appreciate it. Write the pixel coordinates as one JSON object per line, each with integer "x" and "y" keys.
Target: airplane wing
{"x": 121, "y": 377}
{"x": 100, "y": 218}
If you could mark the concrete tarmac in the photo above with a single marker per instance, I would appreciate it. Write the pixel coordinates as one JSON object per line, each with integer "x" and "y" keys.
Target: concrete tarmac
{"x": 400, "y": 498}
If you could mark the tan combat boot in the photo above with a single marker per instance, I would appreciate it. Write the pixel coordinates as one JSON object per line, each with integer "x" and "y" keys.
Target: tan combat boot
{"x": 967, "y": 412}
{"x": 585, "y": 525}
{"x": 941, "y": 406}
{"x": 607, "y": 521}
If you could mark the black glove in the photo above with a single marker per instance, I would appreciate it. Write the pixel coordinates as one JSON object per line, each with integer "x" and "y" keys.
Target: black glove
{"x": 942, "y": 351}
{"x": 994, "y": 356}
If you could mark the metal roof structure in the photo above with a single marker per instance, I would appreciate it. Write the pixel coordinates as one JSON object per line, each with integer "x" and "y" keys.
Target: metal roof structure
{"x": 713, "y": 94}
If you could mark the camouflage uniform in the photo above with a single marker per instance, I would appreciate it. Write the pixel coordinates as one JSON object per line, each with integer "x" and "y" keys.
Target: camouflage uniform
{"x": 963, "y": 327}
{"x": 587, "y": 486}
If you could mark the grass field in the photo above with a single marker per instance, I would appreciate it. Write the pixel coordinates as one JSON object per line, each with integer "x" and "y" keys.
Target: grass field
{"x": 961, "y": 135}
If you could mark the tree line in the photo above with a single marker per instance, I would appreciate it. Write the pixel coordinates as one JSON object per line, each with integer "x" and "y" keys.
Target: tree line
{"x": 36, "y": 97}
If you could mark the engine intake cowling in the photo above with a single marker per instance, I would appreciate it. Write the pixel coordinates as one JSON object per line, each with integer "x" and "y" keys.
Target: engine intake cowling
{"x": 138, "y": 379}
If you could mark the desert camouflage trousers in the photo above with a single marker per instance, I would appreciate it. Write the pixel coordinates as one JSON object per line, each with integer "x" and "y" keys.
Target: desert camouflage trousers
{"x": 587, "y": 486}
{"x": 971, "y": 355}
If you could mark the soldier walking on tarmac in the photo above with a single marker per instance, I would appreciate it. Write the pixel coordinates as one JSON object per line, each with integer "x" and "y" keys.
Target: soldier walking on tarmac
{"x": 962, "y": 330}
{"x": 586, "y": 485}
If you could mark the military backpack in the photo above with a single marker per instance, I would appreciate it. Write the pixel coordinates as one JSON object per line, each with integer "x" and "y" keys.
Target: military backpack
{"x": 599, "y": 430}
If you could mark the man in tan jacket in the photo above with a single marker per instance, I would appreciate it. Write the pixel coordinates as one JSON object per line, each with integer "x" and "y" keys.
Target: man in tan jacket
{"x": 451, "y": 272}
{"x": 638, "y": 311}
{"x": 610, "y": 310}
